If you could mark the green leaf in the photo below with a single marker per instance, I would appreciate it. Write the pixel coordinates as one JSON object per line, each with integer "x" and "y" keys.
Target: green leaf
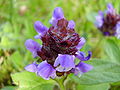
{"x": 30, "y": 81}
{"x": 112, "y": 51}
{"x": 116, "y": 84}
{"x": 104, "y": 71}
{"x": 9, "y": 88}
{"x": 93, "y": 87}
{"x": 17, "y": 60}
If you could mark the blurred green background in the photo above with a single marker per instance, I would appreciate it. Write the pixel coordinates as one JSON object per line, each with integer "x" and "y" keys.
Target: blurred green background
{"x": 16, "y": 25}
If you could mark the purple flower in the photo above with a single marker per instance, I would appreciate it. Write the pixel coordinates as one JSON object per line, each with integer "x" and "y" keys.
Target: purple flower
{"x": 81, "y": 55}
{"x": 110, "y": 9}
{"x": 65, "y": 62}
{"x": 31, "y": 67}
{"x": 33, "y": 46}
{"x": 71, "y": 24}
{"x": 81, "y": 43}
{"x": 81, "y": 68}
{"x": 40, "y": 28}
{"x": 60, "y": 46}
{"x": 57, "y": 15}
{"x": 107, "y": 22}
{"x": 99, "y": 19}
{"x": 45, "y": 70}
{"x": 118, "y": 30}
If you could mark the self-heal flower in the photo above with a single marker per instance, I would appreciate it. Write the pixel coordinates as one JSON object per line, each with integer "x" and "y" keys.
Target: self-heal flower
{"x": 81, "y": 55}
{"x": 40, "y": 28}
{"x": 107, "y": 22}
{"x": 99, "y": 19}
{"x": 57, "y": 15}
{"x": 33, "y": 46}
{"x": 45, "y": 70}
{"x": 60, "y": 46}
{"x": 81, "y": 68}
{"x": 71, "y": 24}
{"x": 31, "y": 67}
{"x": 65, "y": 62}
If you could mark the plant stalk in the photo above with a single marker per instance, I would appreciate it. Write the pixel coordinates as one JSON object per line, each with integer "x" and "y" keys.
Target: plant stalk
{"x": 60, "y": 82}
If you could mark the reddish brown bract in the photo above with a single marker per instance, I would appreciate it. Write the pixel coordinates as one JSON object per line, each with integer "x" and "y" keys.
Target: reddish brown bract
{"x": 109, "y": 24}
{"x": 59, "y": 39}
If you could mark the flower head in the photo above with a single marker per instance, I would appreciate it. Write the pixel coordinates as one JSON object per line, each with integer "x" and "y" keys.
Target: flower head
{"x": 107, "y": 22}
{"x": 60, "y": 46}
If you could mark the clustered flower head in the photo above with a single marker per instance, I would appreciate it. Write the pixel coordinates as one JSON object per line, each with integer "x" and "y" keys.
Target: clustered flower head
{"x": 108, "y": 22}
{"x": 60, "y": 46}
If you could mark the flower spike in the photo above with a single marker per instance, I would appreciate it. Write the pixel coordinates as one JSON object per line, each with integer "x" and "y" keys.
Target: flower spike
{"x": 60, "y": 47}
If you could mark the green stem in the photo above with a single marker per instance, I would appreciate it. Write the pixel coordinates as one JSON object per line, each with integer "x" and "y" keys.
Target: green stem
{"x": 60, "y": 82}
{"x": 61, "y": 85}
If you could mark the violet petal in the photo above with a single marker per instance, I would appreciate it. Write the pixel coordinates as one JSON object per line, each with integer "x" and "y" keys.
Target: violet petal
{"x": 83, "y": 67}
{"x": 110, "y": 8}
{"x": 99, "y": 19}
{"x": 65, "y": 60}
{"x": 118, "y": 30}
{"x": 81, "y": 43}
{"x": 57, "y": 15}
{"x": 40, "y": 28}
{"x": 32, "y": 46}
{"x": 45, "y": 70}
{"x": 81, "y": 55}
{"x": 71, "y": 24}
{"x": 37, "y": 36}
{"x": 31, "y": 67}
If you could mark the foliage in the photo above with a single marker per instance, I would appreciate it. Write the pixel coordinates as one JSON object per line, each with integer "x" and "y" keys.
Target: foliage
{"x": 26, "y": 81}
